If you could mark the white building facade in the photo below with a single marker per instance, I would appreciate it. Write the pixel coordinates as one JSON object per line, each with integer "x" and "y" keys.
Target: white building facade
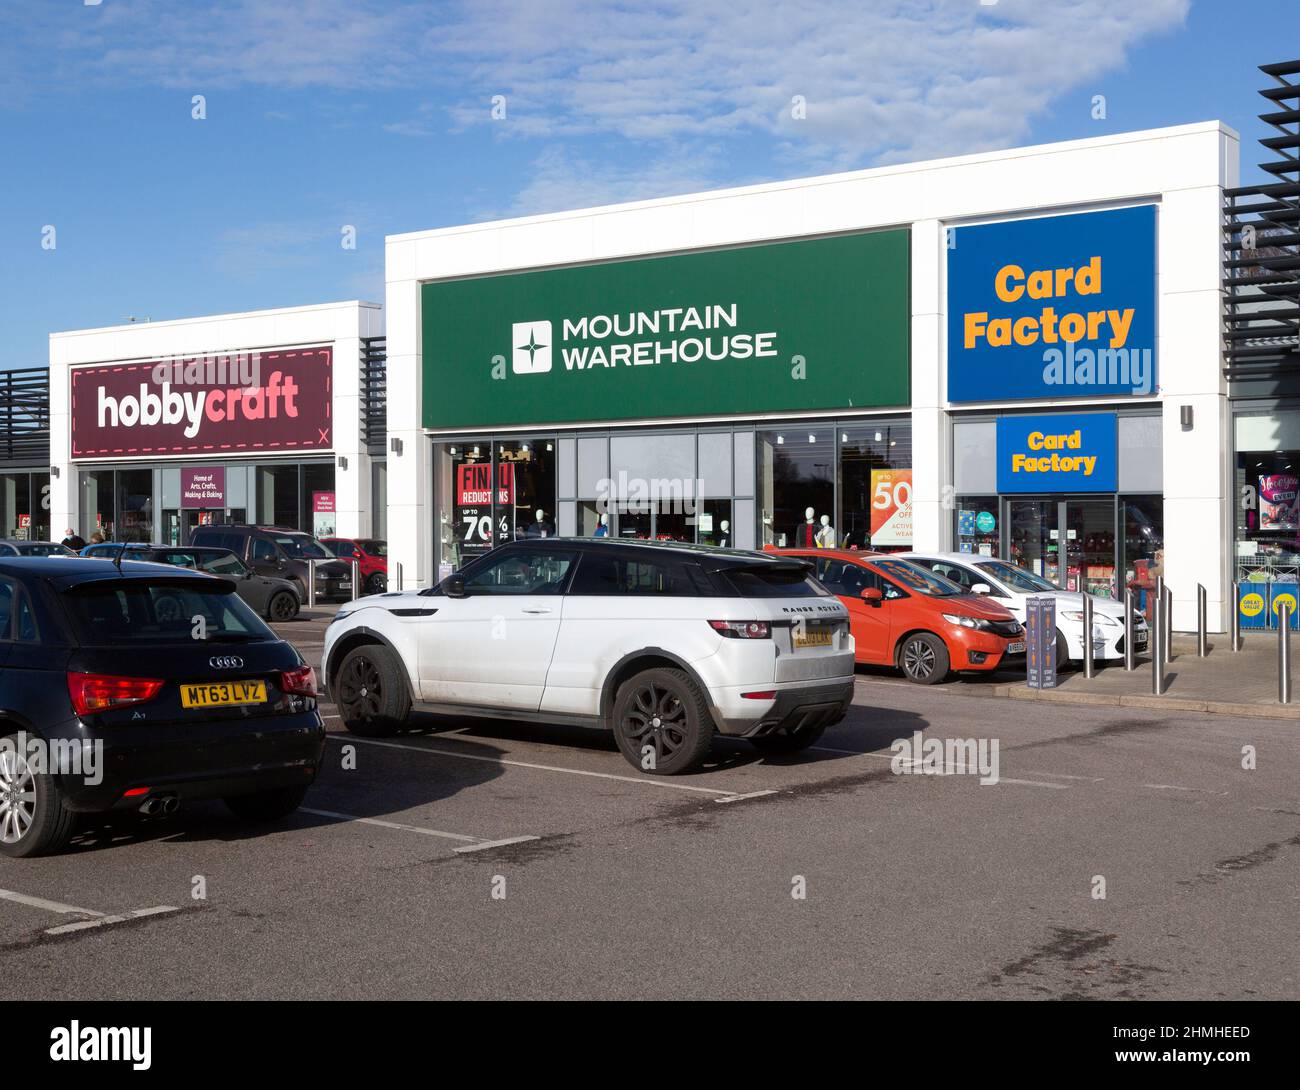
{"x": 158, "y": 427}
{"x": 1016, "y": 352}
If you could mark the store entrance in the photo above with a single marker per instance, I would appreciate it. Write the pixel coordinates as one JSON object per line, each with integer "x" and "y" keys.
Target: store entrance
{"x": 1068, "y": 540}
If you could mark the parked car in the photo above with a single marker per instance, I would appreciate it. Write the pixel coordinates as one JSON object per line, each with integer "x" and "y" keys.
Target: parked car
{"x": 283, "y": 554}
{"x": 1012, "y": 586}
{"x": 371, "y": 555}
{"x": 102, "y": 655}
{"x": 906, "y": 617}
{"x": 664, "y": 644}
{"x": 273, "y": 598}
{"x": 16, "y": 547}
{"x": 105, "y": 550}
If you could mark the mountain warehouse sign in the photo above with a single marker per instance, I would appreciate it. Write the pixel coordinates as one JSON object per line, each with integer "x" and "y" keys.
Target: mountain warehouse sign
{"x": 816, "y": 324}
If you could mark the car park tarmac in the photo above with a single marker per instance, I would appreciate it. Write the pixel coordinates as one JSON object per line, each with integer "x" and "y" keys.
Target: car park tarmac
{"x": 480, "y": 858}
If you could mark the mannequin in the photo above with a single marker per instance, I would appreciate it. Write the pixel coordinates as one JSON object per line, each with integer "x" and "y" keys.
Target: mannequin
{"x": 805, "y": 536}
{"x": 724, "y": 534}
{"x": 602, "y": 527}
{"x": 541, "y": 527}
{"x": 826, "y": 535}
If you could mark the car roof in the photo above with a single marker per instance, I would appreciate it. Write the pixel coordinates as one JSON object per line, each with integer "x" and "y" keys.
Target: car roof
{"x": 966, "y": 558}
{"x": 727, "y": 557}
{"x": 25, "y": 541}
{"x": 73, "y": 570}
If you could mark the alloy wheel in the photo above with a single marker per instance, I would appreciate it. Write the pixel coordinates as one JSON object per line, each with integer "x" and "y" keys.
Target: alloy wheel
{"x": 360, "y": 689}
{"x": 656, "y": 717}
{"x": 918, "y": 659}
{"x": 17, "y": 797}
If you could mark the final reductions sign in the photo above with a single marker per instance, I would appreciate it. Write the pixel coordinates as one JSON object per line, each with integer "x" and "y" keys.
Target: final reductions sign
{"x": 277, "y": 400}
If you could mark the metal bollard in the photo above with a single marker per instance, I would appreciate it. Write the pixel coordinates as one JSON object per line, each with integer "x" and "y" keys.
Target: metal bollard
{"x": 1284, "y": 655}
{"x": 1130, "y": 653}
{"x": 1236, "y": 616}
{"x": 1158, "y": 648}
{"x": 356, "y": 578}
{"x": 1202, "y": 647}
{"x": 1169, "y": 627}
{"x": 311, "y": 584}
{"x": 399, "y": 575}
{"x": 1089, "y": 663}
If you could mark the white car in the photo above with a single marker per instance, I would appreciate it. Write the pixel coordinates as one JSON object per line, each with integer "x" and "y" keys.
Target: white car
{"x": 1013, "y": 586}
{"x": 663, "y": 644}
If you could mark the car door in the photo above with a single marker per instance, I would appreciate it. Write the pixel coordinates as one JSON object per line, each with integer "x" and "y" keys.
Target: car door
{"x": 264, "y": 557}
{"x": 493, "y": 647}
{"x": 869, "y": 624}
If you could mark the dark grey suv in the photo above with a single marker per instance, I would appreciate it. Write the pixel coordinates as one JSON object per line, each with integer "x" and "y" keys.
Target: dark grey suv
{"x": 274, "y": 598}
{"x": 282, "y": 553}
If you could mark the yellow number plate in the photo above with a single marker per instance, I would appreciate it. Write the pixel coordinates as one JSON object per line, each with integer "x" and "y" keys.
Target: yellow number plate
{"x": 221, "y": 694}
{"x": 812, "y": 637}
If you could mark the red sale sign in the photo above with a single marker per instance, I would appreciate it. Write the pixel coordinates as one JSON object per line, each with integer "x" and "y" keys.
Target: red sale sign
{"x": 891, "y": 507}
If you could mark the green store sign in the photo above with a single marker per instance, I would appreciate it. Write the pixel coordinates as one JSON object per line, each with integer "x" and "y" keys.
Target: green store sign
{"x": 817, "y": 324}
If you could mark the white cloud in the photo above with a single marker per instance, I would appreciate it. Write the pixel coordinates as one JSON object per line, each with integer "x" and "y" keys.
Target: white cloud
{"x": 883, "y": 81}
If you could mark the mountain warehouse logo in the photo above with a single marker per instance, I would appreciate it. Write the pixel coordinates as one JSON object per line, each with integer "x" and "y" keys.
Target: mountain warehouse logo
{"x": 532, "y": 343}
{"x": 637, "y": 339}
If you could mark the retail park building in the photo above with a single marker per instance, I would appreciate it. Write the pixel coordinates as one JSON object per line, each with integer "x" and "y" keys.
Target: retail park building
{"x": 1016, "y": 353}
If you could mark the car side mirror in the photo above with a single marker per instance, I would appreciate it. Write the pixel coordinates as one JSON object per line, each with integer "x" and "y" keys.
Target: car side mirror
{"x": 454, "y": 585}
{"x": 981, "y": 588}
{"x": 873, "y": 596}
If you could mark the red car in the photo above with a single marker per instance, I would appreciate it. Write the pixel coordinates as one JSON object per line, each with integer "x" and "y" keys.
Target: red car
{"x": 370, "y": 553}
{"x": 905, "y": 616}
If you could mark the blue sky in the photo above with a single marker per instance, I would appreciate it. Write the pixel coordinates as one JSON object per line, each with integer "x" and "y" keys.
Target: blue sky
{"x": 326, "y": 113}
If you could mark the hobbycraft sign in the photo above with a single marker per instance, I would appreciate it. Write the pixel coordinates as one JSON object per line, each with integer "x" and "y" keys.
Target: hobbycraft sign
{"x": 1053, "y": 307}
{"x": 267, "y": 401}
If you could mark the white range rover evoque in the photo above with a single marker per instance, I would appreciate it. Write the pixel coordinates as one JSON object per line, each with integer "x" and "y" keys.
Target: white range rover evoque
{"x": 662, "y": 643}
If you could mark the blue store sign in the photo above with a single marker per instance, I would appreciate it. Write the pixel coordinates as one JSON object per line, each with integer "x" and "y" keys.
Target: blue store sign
{"x": 1057, "y": 452}
{"x": 1060, "y": 306}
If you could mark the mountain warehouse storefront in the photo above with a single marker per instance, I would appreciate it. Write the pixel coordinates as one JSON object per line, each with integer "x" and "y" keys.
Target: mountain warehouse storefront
{"x": 744, "y": 397}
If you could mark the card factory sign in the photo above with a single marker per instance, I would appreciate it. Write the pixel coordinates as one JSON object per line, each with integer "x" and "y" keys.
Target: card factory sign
{"x": 268, "y": 401}
{"x": 812, "y": 324}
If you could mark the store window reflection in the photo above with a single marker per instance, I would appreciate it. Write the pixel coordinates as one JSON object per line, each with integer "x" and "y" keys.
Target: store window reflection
{"x": 134, "y": 505}
{"x": 796, "y": 486}
{"x": 875, "y": 480}
{"x": 525, "y": 500}
{"x": 977, "y": 525}
{"x": 1144, "y": 553}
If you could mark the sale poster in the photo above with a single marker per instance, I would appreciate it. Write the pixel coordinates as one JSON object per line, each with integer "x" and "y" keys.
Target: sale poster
{"x": 891, "y": 507}
{"x": 1278, "y": 506}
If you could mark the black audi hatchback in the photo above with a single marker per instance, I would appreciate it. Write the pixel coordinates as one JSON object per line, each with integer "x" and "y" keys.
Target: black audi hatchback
{"x": 137, "y": 687}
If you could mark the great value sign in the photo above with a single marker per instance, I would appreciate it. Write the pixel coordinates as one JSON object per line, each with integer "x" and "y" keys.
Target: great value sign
{"x": 814, "y": 324}
{"x": 258, "y": 401}
{"x": 1060, "y": 306}
{"x": 1057, "y": 452}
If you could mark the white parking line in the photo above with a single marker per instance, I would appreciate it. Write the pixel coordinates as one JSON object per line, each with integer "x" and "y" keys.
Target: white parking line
{"x": 495, "y": 844}
{"x": 1035, "y": 783}
{"x": 48, "y": 906}
{"x": 105, "y": 921}
{"x": 537, "y": 767}
{"x": 392, "y": 825}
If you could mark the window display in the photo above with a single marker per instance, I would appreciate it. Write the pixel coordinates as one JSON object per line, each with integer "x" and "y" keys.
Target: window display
{"x": 978, "y": 531}
{"x": 1267, "y": 523}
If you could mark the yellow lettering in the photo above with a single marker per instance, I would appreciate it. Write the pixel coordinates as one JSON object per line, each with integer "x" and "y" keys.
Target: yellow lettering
{"x": 975, "y": 326}
{"x": 1014, "y": 274}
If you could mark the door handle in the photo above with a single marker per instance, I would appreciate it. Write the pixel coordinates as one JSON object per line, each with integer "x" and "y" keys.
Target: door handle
{"x": 536, "y": 609}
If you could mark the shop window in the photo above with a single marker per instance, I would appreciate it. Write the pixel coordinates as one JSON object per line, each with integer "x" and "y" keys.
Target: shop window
{"x": 134, "y": 505}
{"x": 98, "y": 507}
{"x": 875, "y": 486}
{"x": 525, "y": 489}
{"x": 978, "y": 531}
{"x": 1267, "y": 479}
{"x": 277, "y": 496}
{"x": 16, "y": 519}
{"x": 1143, "y": 561}
{"x": 796, "y": 484}
{"x": 713, "y": 523}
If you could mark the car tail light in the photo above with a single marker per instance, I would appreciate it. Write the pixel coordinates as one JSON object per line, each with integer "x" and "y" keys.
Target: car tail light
{"x": 135, "y": 792}
{"x": 766, "y": 694}
{"x": 93, "y": 693}
{"x": 742, "y": 630}
{"x": 301, "y": 681}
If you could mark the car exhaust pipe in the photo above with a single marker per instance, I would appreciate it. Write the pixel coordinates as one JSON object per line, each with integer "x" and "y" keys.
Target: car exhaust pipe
{"x": 160, "y": 804}
{"x": 150, "y": 807}
{"x": 170, "y": 804}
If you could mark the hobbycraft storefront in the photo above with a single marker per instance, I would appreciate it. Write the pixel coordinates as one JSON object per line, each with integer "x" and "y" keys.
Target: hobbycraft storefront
{"x": 1016, "y": 352}
{"x": 248, "y": 418}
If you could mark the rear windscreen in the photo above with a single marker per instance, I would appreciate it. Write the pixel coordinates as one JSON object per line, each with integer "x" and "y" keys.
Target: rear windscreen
{"x": 772, "y": 582}
{"x": 156, "y": 613}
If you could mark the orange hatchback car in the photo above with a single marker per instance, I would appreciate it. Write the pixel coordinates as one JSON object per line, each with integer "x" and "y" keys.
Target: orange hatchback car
{"x": 905, "y": 616}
